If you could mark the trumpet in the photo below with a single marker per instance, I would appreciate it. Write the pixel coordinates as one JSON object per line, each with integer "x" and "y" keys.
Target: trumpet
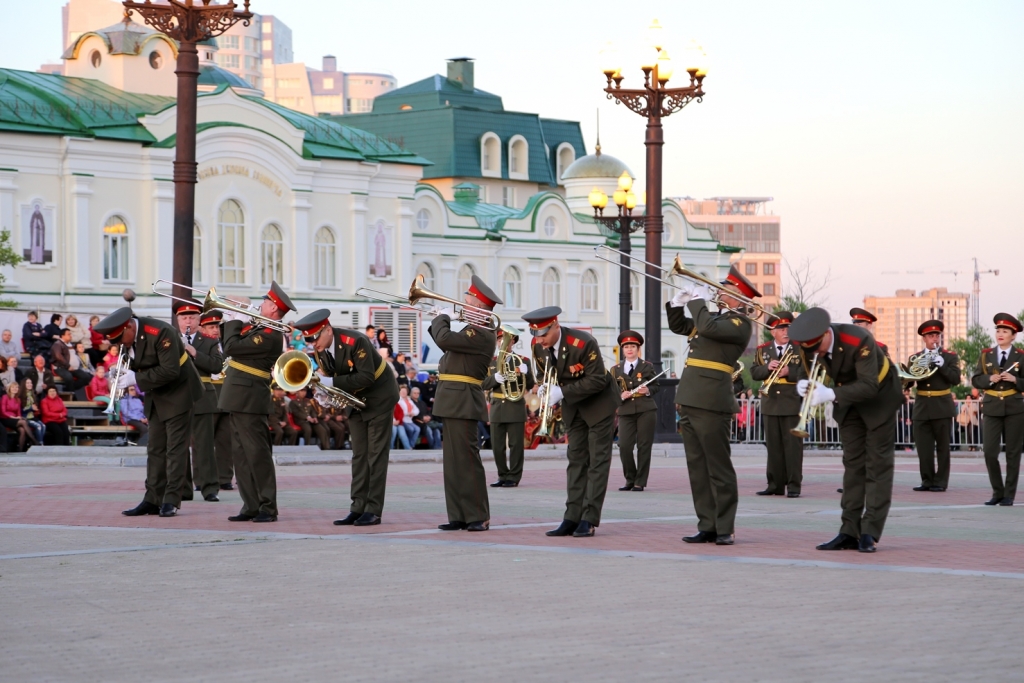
{"x": 815, "y": 376}
{"x": 748, "y": 308}
{"x": 213, "y": 301}
{"x": 508, "y": 364}
{"x": 471, "y": 315}
{"x": 294, "y": 371}
{"x": 786, "y": 359}
{"x": 550, "y": 380}
{"x": 115, "y": 378}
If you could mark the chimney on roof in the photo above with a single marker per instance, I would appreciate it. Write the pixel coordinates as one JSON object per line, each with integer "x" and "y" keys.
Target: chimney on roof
{"x": 330, "y": 63}
{"x": 460, "y": 70}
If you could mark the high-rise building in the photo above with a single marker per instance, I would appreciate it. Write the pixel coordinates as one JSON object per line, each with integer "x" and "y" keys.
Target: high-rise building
{"x": 240, "y": 51}
{"x": 744, "y": 222}
{"x": 899, "y": 317}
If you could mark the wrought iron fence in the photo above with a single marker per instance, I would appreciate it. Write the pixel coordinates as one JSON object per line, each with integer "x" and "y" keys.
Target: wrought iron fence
{"x": 748, "y": 427}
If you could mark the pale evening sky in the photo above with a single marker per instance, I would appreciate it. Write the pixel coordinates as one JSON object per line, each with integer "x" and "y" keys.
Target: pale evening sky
{"x": 889, "y": 133}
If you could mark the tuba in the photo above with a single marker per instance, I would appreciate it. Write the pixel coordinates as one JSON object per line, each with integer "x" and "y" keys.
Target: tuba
{"x": 294, "y": 371}
{"x": 508, "y": 364}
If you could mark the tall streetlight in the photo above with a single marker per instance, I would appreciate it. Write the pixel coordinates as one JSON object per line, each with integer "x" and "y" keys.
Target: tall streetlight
{"x": 622, "y": 225}
{"x": 655, "y": 101}
{"x": 188, "y": 22}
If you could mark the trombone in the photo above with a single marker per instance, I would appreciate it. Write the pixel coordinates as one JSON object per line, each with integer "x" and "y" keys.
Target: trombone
{"x": 748, "y": 308}
{"x": 471, "y": 315}
{"x": 212, "y": 301}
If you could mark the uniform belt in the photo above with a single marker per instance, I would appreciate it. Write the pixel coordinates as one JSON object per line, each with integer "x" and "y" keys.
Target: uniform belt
{"x": 210, "y": 380}
{"x": 885, "y": 369}
{"x": 255, "y": 372}
{"x": 933, "y": 394}
{"x": 495, "y": 394}
{"x": 184, "y": 357}
{"x": 1001, "y": 394}
{"x": 380, "y": 368}
{"x": 785, "y": 381}
{"x": 465, "y": 379}
{"x": 710, "y": 365}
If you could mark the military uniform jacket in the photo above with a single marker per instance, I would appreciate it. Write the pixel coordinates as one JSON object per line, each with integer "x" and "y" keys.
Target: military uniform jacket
{"x": 782, "y": 398}
{"x": 209, "y": 360}
{"x": 163, "y": 370}
{"x": 1002, "y": 398}
{"x": 462, "y": 369}
{"x": 360, "y": 370}
{"x": 502, "y": 409}
{"x": 301, "y": 409}
{"x": 717, "y": 340}
{"x": 279, "y": 410}
{"x": 257, "y": 349}
{"x": 642, "y": 371}
{"x": 864, "y": 378}
{"x": 586, "y": 387}
{"x": 936, "y": 407}
{"x": 885, "y": 349}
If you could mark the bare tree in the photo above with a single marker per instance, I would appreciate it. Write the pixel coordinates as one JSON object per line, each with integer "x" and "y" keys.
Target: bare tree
{"x": 806, "y": 283}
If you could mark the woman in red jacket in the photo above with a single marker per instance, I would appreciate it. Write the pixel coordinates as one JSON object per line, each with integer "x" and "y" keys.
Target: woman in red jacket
{"x": 55, "y": 417}
{"x": 10, "y": 416}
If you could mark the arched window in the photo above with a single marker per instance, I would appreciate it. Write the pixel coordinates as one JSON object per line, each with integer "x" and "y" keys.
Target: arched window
{"x": 550, "y": 226}
{"x": 464, "y": 279}
{"x": 423, "y": 220}
{"x": 197, "y": 253}
{"x": 271, "y": 255}
{"x": 518, "y": 158}
{"x": 513, "y": 281}
{"x": 636, "y": 293}
{"x": 427, "y": 271}
{"x": 230, "y": 243}
{"x": 564, "y": 158}
{"x": 551, "y": 288}
{"x": 668, "y": 361}
{"x": 589, "y": 292}
{"x": 115, "y": 249}
{"x": 490, "y": 156}
{"x": 323, "y": 258}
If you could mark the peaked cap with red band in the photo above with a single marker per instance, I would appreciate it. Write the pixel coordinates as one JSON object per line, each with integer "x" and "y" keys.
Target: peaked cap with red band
{"x": 631, "y": 337}
{"x": 930, "y": 326}
{"x": 809, "y": 327}
{"x": 211, "y": 318}
{"x": 542, "y": 319}
{"x": 186, "y": 307}
{"x": 746, "y": 287}
{"x": 480, "y": 290}
{"x": 780, "y": 319}
{"x": 114, "y": 324}
{"x": 860, "y": 315}
{"x": 280, "y": 299}
{"x": 314, "y": 323}
{"x": 1008, "y": 321}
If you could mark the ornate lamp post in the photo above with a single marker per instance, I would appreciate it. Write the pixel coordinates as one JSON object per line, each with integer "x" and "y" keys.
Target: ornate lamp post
{"x": 188, "y": 22}
{"x": 655, "y": 101}
{"x": 622, "y": 225}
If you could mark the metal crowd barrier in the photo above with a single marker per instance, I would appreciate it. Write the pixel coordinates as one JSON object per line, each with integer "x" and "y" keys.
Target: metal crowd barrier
{"x": 748, "y": 427}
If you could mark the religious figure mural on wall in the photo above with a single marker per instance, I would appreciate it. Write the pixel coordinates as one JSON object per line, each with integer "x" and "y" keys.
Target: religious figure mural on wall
{"x": 37, "y": 236}
{"x": 380, "y": 247}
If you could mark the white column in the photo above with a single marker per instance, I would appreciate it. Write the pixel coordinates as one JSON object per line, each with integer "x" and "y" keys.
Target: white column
{"x": 359, "y": 268}
{"x": 533, "y": 290}
{"x": 571, "y": 293}
{"x": 163, "y": 230}
{"x": 81, "y": 234}
{"x": 446, "y": 282}
{"x": 8, "y": 188}
{"x": 302, "y": 263}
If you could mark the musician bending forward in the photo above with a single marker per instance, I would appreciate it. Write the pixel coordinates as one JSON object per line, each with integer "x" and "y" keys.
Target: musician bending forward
{"x": 706, "y": 402}
{"x": 589, "y": 399}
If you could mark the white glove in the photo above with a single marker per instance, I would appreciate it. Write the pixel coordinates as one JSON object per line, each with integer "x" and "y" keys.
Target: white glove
{"x": 499, "y": 378}
{"x": 801, "y": 387}
{"x": 523, "y": 368}
{"x": 229, "y": 316}
{"x": 126, "y": 380}
{"x": 556, "y": 393}
{"x": 450, "y": 312}
{"x": 681, "y": 298}
{"x": 822, "y": 394}
{"x": 939, "y": 361}
{"x": 326, "y": 381}
{"x": 701, "y": 292}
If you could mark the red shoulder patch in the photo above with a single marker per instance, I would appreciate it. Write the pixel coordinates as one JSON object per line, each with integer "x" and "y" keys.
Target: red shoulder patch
{"x": 268, "y": 330}
{"x": 764, "y": 346}
{"x": 880, "y": 344}
{"x": 848, "y": 339}
{"x": 573, "y": 341}
{"x": 348, "y": 341}
{"x": 149, "y": 329}
{"x": 246, "y": 329}
{"x": 986, "y": 350}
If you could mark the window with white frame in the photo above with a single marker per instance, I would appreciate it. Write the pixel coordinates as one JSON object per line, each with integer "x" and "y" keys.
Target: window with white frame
{"x": 564, "y": 158}
{"x": 423, "y": 220}
{"x": 464, "y": 279}
{"x": 589, "y": 291}
{"x": 518, "y": 158}
{"x": 271, "y": 255}
{"x": 551, "y": 288}
{"x": 513, "y": 283}
{"x": 636, "y": 293}
{"x": 508, "y": 197}
{"x": 115, "y": 249}
{"x": 324, "y": 258}
{"x": 668, "y": 361}
{"x": 550, "y": 226}
{"x": 490, "y": 156}
{"x": 230, "y": 243}
{"x": 197, "y": 253}
{"x": 427, "y": 271}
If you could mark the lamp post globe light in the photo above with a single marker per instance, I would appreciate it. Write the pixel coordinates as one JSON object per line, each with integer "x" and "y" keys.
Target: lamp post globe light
{"x": 188, "y": 22}
{"x": 623, "y": 225}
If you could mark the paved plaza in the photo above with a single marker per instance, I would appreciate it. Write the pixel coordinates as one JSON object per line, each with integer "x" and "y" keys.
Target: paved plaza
{"x": 90, "y": 595}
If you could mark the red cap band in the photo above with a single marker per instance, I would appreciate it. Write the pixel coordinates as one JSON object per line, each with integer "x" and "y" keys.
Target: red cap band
{"x": 480, "y": 295}
{"x": 1012, "y": 324}
{"x": 630, "y": 340}
{"x": 277, "y": 302}
{"x": 861, "y": 317}
{"x": 811, "y": 343}
{"x": 188, "y": 308}
{"x": 543, "y": 323}
{"x": 113, "y": 334}
{"x": 313, "y": 331}
{"x": 930, "y": 329}
{"x": 209, "y": 318}
{"x": 745, "y": 289}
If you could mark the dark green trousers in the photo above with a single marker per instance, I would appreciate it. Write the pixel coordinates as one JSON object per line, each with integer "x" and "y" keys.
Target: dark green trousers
{"x": 514, "y": 433}
{"x": 222, "y": 436}
{"x": 167, "y": 457}
{"x": 465, "y": 484}
{"x": 637, "y": 430}
{"x": 869, "y": 462}
{"x": 785, "y": 453}
{"x": 590, "y": 461}
{"x": 254, "y": 463}
{"x": 203, "y": 468}
{"x": 931, "y": 436}
{"x": 1011, "y": 430}
{"x": 709, "y": 464}
{"x": 371, "y": 447}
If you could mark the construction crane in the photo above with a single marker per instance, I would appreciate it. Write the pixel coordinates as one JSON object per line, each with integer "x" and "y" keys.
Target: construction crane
{"x": 975, "y": 304}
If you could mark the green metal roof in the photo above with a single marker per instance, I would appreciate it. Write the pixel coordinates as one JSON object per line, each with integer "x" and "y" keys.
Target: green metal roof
{"x": 211, "y": 74}
{"x": 433, "y": 93}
